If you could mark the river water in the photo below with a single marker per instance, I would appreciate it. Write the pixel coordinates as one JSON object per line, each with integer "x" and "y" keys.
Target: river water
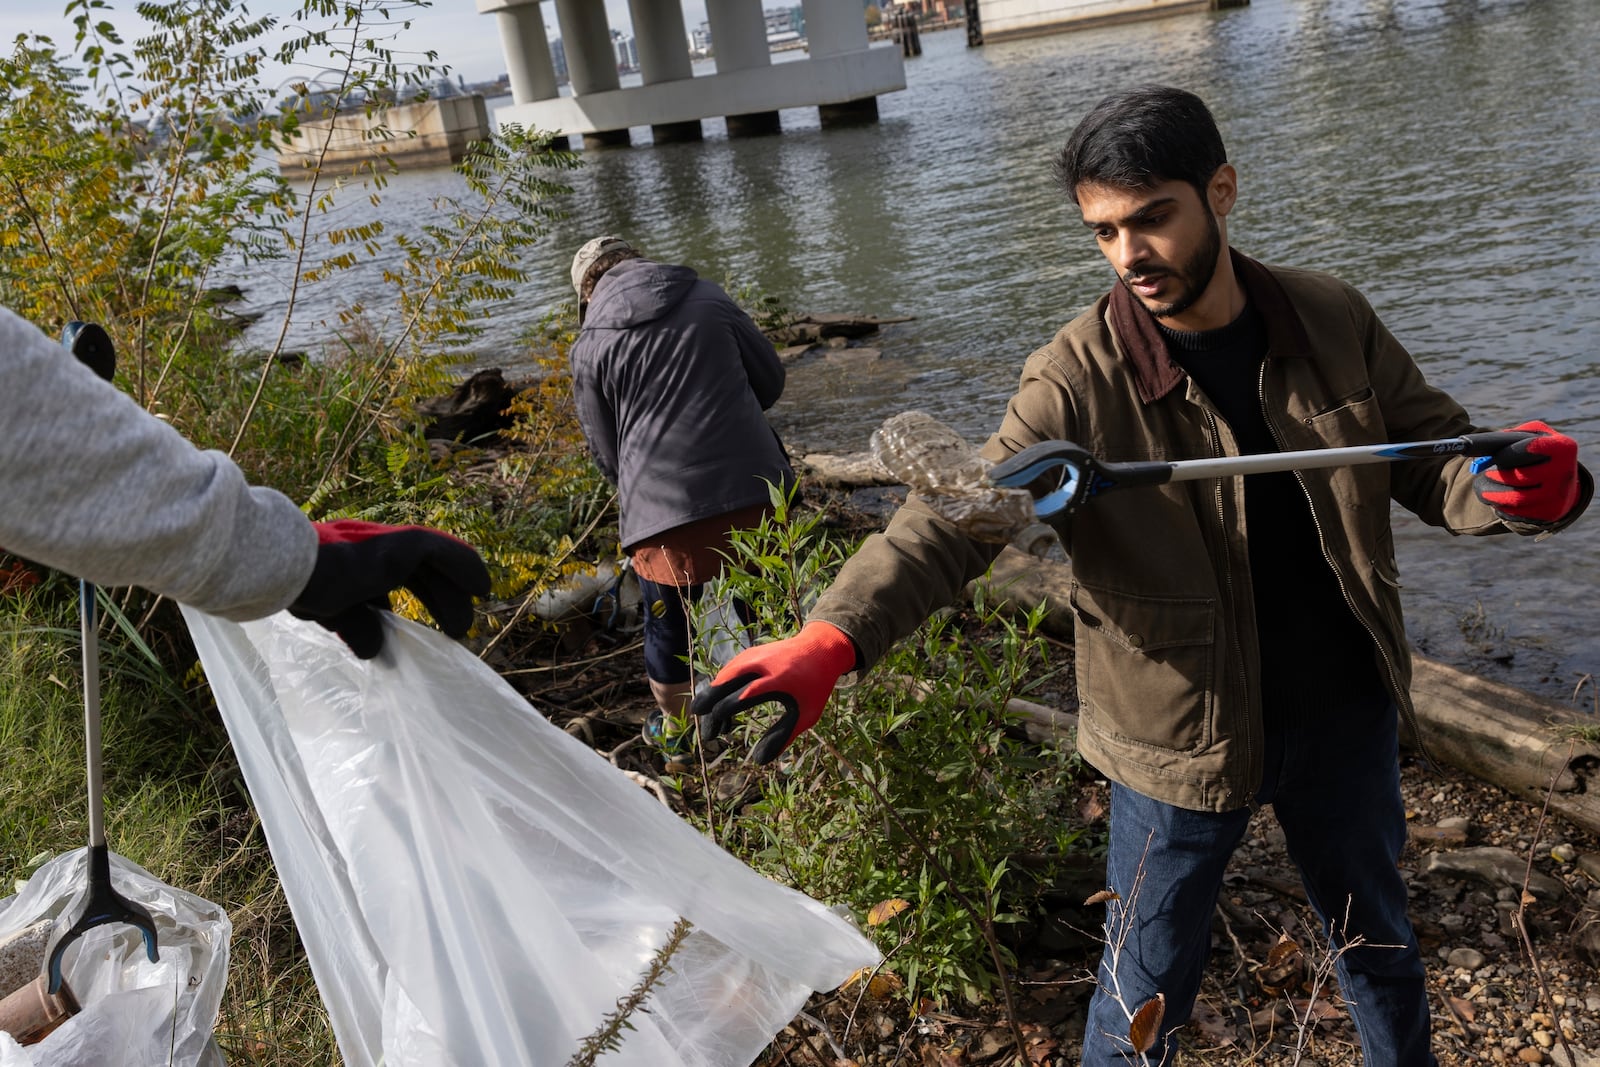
{"x": 1441, "y": 155}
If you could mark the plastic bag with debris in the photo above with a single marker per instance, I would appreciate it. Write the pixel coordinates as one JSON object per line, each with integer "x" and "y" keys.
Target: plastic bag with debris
{"x": 131, "y": 1012}
{"x": 474, "y": 886}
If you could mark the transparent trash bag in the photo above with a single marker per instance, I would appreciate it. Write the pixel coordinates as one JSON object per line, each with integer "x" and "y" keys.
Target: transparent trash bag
{"x": 134, "y": 1013}
{"x": 474, "y": 886}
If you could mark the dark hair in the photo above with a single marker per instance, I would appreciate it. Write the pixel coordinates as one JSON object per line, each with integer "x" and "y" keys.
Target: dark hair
{"x": 1141, "y": 138}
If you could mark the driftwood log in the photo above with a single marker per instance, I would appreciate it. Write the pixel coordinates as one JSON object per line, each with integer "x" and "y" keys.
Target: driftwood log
{"x": 475, "y": 409}
{"x": 1493, "y": 731}
{"x": 1521, "y": 742}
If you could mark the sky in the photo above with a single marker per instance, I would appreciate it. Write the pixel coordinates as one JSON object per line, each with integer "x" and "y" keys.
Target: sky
{"x": 469, "y": 43}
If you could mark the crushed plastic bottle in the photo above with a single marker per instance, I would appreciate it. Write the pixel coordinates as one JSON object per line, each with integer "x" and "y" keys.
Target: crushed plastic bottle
{"x": 950, "y": 477}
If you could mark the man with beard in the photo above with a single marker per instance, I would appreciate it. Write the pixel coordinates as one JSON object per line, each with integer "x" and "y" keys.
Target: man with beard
{"x": 1238, "y": 642}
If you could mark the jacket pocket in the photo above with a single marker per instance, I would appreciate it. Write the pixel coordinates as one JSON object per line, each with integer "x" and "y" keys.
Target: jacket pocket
{"x": 1356, "y": 419}
{"x": 1145, "y": 666}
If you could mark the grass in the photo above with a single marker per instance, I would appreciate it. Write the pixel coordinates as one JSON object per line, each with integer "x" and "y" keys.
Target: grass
{"x": 172, "y": 805}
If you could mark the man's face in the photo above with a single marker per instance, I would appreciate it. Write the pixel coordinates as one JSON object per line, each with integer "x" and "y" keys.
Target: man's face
{"x": 1164, "y": 243}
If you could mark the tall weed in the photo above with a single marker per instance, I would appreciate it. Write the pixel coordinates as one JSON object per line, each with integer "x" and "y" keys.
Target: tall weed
{"x": 916, "y": 785}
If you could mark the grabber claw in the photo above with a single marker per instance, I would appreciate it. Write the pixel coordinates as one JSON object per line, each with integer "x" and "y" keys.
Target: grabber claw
{"x": 102, "y": 907}
{"x": 1060, "y": 474}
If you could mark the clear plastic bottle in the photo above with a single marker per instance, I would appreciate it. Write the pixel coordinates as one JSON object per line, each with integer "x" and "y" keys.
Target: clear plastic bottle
{"x": 950, "y": 476}
{"x": 926, "y": 454}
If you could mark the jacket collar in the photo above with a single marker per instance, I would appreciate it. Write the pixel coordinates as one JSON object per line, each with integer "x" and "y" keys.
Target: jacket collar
{"x": 1154, "y": 370}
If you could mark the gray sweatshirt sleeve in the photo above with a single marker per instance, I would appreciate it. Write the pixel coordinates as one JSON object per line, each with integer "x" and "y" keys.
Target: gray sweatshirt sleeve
{"x": 94, "y": 485}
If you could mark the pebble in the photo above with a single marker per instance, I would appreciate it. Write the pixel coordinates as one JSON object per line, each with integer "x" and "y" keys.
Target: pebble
{"x": 1530, "y": 1055}
{"x": 1466, "y": 958}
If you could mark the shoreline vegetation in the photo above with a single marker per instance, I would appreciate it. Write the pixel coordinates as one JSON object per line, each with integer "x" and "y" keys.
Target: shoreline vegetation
{"x": 940, "y": 799}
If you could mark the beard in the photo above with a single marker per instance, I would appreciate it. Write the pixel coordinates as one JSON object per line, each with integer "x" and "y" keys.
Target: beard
{"x": 1193, "y": 275}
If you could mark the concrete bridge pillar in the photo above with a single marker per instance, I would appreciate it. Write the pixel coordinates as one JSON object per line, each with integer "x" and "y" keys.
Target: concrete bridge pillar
{"x": 663, "y": 57}
{"x": 591, "y": 64}
{"x": 832, "y": 29}
{"x": 739, "y": 42}
{"x": 527, "y": 51}
{"x": 842, "y": 77}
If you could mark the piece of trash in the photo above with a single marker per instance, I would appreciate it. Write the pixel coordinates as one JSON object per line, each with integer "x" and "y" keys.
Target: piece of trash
{"x": 950, "y": 476}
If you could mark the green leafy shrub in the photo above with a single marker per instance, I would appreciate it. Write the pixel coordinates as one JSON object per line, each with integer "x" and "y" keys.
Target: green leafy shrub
{"x": 915, "y": 785}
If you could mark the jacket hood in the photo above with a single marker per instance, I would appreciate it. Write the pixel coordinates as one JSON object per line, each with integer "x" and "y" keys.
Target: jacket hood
{"x": 637, "y": 291}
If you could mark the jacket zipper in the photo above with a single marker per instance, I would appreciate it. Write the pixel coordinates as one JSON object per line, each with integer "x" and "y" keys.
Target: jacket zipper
{"x": 1250, "y": 717}
{"x": 1402, "y": 697}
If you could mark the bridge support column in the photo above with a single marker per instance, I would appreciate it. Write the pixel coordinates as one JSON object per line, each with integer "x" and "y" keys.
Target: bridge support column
{"x": 663, "y": 57}
{"x": 739, "y": 42}
{"x": 525, "y": 47}
{"x": 850, "y": 113}
{"x": 833, "y": 28}
{"x": 591, "y": 64}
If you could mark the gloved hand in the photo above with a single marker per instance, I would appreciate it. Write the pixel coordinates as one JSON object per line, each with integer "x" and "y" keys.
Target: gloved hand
{"x": 798, "y": 672}
{"x": 1535, "y": 479}
{"x": 360, "y": 563}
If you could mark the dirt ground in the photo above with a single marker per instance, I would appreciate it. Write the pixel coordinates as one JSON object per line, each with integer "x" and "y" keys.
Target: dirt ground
{"x": 1513, "y": 973}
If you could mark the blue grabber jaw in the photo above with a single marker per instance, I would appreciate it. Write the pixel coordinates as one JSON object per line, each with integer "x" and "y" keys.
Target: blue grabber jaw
{"x": 1060, "y": 474}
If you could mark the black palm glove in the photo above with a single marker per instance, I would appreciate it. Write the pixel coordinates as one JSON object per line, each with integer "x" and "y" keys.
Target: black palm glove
{"x": 360, "y": 563}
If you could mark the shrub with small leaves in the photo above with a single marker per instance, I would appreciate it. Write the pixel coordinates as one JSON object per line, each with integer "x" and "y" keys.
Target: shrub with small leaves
{"x": 916, "y": 786}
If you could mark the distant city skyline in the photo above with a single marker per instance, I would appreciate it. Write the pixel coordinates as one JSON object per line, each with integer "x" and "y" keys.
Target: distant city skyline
{"x": 469, "y": 46}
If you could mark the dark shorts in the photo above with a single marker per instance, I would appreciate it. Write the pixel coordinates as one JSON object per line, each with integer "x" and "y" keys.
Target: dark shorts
{"x": 666, "y": 630}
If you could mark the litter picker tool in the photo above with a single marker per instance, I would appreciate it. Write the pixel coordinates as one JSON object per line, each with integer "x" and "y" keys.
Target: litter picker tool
{"x": 103, "y": 905}
{"x": 1070, "y": 476}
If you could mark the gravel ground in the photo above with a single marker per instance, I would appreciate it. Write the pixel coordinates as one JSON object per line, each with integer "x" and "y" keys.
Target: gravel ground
{"x": 1492, "y": 1001}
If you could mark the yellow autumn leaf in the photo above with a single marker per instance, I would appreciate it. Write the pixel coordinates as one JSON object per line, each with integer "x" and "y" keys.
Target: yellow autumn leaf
{"x": 880, "y": 985}
{"x": 885, "y": 910}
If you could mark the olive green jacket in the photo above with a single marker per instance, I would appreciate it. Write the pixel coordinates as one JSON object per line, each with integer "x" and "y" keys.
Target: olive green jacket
{"x": 1166, "y": 650}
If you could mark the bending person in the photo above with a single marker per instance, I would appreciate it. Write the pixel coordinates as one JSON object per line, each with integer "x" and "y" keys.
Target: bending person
{"x": 672, "y": 380}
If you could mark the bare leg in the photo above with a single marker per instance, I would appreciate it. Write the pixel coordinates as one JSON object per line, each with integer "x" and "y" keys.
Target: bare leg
{"x": 672, "y": 697}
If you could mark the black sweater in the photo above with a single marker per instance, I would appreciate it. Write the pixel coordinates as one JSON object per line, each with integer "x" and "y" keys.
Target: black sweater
{"x": 1315, "y": 654}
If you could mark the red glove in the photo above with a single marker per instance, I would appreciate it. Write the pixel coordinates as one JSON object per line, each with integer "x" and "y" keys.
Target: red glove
{"x": 360, "y": 563}
{"x": 798, "y": 672}
{"x": 1535, "y": 479}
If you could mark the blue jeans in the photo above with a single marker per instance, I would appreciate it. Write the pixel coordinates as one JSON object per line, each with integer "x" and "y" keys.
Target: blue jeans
{"x": 1334, "y": 786}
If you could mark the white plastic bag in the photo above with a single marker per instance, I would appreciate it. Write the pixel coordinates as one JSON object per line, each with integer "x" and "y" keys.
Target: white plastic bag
{"x": 474, "y": 886}
{"x": 134, "y": 1013}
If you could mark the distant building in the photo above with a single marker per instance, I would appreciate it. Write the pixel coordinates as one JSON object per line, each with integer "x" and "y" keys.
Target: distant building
{"x": 785, "y": 24}
{"x": 558, "y": 59}
{"x": 626, "y": 48}
{"x": 700, "y": 40}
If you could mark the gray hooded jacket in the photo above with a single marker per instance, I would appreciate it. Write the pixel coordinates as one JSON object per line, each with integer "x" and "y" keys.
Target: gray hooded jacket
{"x": 95, "y": 486}
{"x": 672, "y": 380}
